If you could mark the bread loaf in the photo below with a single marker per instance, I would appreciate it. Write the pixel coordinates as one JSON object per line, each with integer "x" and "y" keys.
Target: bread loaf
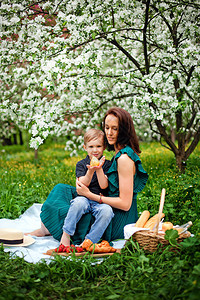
{"x": 103, "y": 247}
{"x": 142, "y": 219}
{"x": 152, "y": 221}
{"x": 167, "y": 226}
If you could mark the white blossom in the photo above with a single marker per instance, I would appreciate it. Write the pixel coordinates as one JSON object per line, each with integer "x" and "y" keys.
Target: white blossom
{"x": 62, "y": 76}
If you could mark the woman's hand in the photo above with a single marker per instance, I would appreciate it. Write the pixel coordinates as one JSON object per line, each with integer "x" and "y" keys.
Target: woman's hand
{"x": 82, "y": 189}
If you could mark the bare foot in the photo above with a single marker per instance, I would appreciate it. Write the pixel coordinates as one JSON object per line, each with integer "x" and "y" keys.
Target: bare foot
{"x": 37, "y": 232}
{"x": 42, "y": 231}
{"x": 65, "y": 239}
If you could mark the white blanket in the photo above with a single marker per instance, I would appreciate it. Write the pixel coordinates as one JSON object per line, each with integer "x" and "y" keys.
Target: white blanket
{"x": 30, "y": 221}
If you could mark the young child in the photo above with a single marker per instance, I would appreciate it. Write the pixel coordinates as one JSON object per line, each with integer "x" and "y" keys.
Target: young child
{"x": 95, "y": 179}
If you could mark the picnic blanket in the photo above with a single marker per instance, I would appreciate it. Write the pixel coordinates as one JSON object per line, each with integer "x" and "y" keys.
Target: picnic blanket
{"x": 27, "y": 222}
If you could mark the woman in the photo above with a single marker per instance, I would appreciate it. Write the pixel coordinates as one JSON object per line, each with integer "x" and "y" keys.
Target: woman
{"x": 126, "y": 178}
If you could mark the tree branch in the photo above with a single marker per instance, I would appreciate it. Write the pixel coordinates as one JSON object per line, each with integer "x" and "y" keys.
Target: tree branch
{"x": 130, "y": 57}
{"x": 164, "y": 144}
{"x": 190, "y": 75}
{"x": 194, "y": 100}
{"x": 100, "y": 105}
{"x": 145, "y": 37}
{"x": 165, "y": 20}
{"x": 113, "y": 18}
{"x": 191, "y": 121}
{"x": 193, "y": 144}
{"x": 163, "y": 134}
{"x": 57, "y": 6}
{"x": 131, "y": 39}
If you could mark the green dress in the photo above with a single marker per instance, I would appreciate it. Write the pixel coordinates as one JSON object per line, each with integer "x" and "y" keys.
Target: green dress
{"x": 55, "y": 208}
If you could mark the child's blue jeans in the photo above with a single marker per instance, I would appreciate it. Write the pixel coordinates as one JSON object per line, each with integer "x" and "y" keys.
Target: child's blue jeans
{"x": 80, "y": 205}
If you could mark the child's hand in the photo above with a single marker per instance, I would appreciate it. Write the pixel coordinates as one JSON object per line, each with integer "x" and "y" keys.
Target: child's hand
{"x": 101, "y": 162}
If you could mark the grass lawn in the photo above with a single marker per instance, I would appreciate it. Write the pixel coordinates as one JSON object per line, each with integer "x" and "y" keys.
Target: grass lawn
{"x": 133, "y": 274}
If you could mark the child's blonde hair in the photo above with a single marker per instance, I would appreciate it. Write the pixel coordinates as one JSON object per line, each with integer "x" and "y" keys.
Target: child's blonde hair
{"x": 93, "y": 134}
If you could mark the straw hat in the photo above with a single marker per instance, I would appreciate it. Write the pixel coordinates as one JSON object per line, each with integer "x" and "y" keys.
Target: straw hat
{"x": 13, "y": 237}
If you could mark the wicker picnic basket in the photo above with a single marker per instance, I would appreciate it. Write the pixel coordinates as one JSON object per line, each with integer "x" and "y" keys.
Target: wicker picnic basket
{"x": 150, "y": 239}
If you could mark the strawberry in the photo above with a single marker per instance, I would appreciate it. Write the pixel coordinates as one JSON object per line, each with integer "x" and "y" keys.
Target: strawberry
{"x": 79, "y": 249}
{"x": 68, "y": 249}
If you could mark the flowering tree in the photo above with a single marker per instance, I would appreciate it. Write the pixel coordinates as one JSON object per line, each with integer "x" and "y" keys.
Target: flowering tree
{"x": 65, "y": 62}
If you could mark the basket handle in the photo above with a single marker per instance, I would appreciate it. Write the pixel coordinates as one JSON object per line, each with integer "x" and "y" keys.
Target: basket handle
{"x": 162, "y": 200}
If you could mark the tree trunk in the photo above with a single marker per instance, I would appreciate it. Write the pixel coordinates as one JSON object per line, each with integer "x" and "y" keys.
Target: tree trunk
{"x": 173, "y": 135}
{"x": 15, "y": 138}
{"x": 21, "y": 138}
{"x": 6, "y": 141}
{"x": 181, "y": 152}
{"x": 181, "y": 163}
{"x": 36, "y": 154}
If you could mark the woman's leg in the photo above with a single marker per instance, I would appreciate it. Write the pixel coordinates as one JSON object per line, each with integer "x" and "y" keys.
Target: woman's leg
{"x": 42, "y": 231}
{"x": 55, "y": 208}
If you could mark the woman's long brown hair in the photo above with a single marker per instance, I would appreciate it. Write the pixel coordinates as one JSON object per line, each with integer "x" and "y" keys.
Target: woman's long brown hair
{"x": 127, "y": 134}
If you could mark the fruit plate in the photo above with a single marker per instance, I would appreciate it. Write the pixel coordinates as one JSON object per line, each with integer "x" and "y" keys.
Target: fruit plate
{"x": 81, "y": 254}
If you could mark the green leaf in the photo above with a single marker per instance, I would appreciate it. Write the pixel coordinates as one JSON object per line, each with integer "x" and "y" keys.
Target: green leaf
{"x": 190, "y": 242}
{"x": 143, "y": 258}
{"x": 196, "y": 270}
{"x": 115, "y": 296}
{"x": 93, "y": 35}
{"x": 171, "y": 235}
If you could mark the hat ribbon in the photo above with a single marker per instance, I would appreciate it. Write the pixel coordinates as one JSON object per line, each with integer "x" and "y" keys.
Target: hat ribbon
{"x": 12, "y": 242}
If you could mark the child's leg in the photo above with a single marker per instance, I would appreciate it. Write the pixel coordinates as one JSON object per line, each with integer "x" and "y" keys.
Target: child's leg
{"x": 79, "y": 206}
{"x": 103, "y": 214}
{"x": 65, "y": 239}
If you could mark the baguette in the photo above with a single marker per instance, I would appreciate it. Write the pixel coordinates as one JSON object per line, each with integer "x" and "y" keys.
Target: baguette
{"x": 152, "y": 221}
{"x": 142, "y": 219}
